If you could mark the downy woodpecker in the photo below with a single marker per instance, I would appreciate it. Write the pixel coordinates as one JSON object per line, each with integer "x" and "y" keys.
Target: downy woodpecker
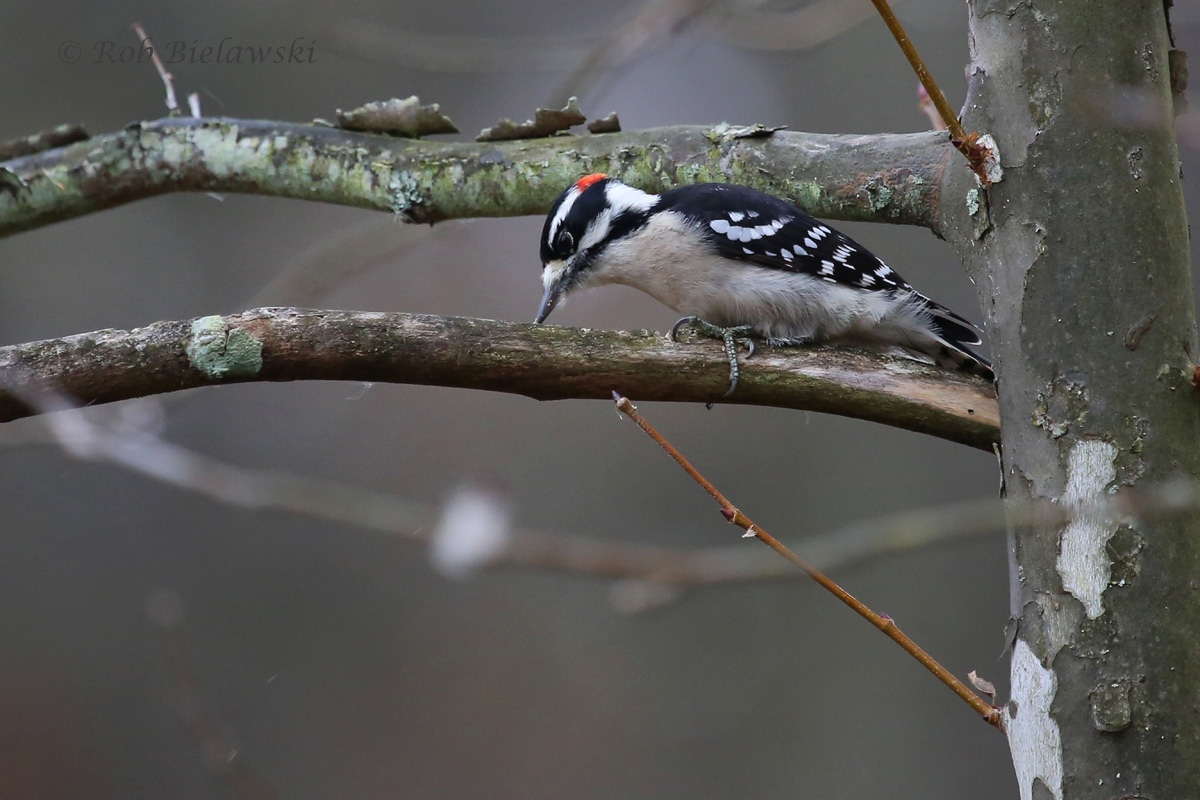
{"x": 743, "y": 262}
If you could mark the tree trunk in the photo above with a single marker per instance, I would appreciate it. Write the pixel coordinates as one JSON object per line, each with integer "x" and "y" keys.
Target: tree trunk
{"x": 1082, "y": 261}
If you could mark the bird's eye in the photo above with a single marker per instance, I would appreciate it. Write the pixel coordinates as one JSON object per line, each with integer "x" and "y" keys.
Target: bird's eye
{"x": 565, "y": 242}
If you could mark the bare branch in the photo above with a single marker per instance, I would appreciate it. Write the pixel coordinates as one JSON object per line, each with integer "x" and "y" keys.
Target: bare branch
{"x": 542, "y": 362}
{"x": 372, "y": 41}
{"x": 221, "y": 754}
{"x": 809, "y": 26}
{"x": 653, "y": 21}
{"x": 59, "y": 136}
{"x": 338, "y": 259}
{"x": 886, "y": 177}
{"x": 883, "y": 622}
{"x": 647, "y": 575}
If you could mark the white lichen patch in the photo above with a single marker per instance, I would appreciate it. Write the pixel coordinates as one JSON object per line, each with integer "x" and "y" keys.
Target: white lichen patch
{"x": 1082, "y": 560}
{"x": 991, "y": 160}
{"x": 1033, "y": 736}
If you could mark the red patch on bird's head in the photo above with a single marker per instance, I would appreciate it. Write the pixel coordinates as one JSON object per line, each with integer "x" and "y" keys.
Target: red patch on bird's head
{"x": 588, "y": 180}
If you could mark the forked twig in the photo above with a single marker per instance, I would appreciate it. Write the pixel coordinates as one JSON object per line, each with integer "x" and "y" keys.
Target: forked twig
{"x": 990, "y": 714}
{"x": 167, "y": 78}
{"x": 967, "y": 143}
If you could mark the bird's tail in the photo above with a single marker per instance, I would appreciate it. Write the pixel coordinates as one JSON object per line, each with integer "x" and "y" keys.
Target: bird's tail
{"x": 955, "y": 339}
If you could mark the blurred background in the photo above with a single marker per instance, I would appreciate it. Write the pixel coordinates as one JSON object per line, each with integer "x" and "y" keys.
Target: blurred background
{"x": 319, "y": 660}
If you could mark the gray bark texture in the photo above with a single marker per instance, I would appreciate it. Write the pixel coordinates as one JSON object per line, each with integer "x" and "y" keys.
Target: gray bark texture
{"x": 1083, "y": 271}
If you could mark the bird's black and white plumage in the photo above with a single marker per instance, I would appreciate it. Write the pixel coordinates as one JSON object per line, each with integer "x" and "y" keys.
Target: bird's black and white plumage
{"x": 735, "y": 256}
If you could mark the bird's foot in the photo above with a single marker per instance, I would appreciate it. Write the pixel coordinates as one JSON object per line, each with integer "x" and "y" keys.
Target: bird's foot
{"x": 732, "y": 338}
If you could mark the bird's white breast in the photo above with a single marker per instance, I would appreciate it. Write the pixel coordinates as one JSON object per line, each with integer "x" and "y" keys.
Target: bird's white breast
{"x": 670, "y": 260}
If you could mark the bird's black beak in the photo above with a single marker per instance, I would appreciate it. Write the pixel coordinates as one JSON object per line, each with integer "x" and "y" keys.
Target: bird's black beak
{"x": 554, "y": 277}
{"x": 549, "y": 301}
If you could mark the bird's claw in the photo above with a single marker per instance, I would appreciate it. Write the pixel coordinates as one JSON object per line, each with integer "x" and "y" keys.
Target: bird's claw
{"x": 729, "y": 336}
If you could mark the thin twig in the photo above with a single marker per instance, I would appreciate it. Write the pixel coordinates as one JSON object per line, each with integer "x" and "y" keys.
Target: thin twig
{"x": 655, "y": 20}
{"x": 808, "y": 26}
{"x": 648, "y": 576}
{"x": 927, "y": 108}
{"x": 220, "y": 753}
{"x": 990, "y": 714}
{"x": 167, "y": 78}
{"x": 60, "y": 136}
{"x": 966, "y": 143}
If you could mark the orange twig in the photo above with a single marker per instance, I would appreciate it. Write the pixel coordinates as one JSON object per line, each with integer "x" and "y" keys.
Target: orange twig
{"x": 990, "y": 714}
{"x": 967, "y": 143}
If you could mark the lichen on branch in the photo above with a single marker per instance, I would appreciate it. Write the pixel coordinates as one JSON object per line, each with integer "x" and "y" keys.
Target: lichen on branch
{"x": 885, "y": 177}
{"x": 542, "y": 362}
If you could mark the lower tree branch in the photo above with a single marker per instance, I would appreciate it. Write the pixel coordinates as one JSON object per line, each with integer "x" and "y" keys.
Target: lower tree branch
{"x": 885, "y": 177}
{"x": 542, "y": 362}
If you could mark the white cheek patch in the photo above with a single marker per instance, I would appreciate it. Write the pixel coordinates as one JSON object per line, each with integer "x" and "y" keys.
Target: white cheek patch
{"x": 623, "y": 198}
{"x": 552, "y": 272}
{"x": 597, "y": 230}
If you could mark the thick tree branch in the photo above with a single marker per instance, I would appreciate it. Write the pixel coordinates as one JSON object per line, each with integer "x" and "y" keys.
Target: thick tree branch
{"x": 543, "y": 362}
{"x": 886, "y": 177}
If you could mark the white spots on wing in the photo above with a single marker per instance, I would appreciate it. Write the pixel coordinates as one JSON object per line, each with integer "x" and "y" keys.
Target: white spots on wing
{"x": 737, "y": 233}
{"x": 787, "y": 255}
{"x": 809, "y": 243}
{"x": 768, "y": 254}
{"x": 826, "y": 268}
{"x": 827, "y": 278}
{"x": 747, "y": 251}
{"x": 820, "y": 231}
{"x": 842, "y": 253}
{"x": 746, "y": 233}
{"x": 866, "y": 280}
{"x": 885, "y": 275}
{"x": 800, "y": 251}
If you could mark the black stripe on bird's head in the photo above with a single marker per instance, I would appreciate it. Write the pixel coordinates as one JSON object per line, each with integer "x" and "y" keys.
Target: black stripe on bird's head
{"x": 586, "y": 217}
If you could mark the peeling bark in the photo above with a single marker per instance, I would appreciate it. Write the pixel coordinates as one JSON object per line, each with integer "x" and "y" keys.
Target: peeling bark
{"x": 1083, "y": 269}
